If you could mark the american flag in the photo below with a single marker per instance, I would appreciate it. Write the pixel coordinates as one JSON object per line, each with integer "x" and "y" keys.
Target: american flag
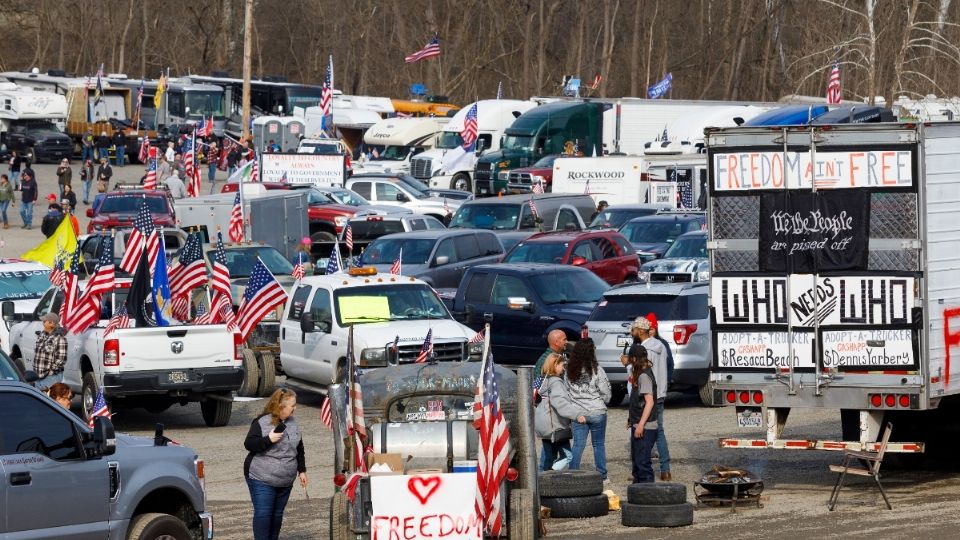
{"x": 469, "y": 132}
{"x": 190, "y": 271}
{"x": 428, "y": 51}
{"x": 325, "y": 417}
{"x": 533, "y": 209}
{"x": 500, "y": 90}
{"x": 120, "y": 319}
{"x": 228, "y": 145}
{"x": 180, "y": 306}
{"x": 494, "y": 452}
{"x": 99, "y": 408}
{"x": 143, "y": 233}
{"x": 150, "y": 182}
{"x": 263, "y": 294}
{"x": 203, "y": 316}
{"x": 192, "y": 170}
{"x": 71, "y": 287}
{"x": 56, "y": 275}
{"x": 427, "y": 348}
{"x": 596, "y": 82}
{"x": 144, "y": 149}
{"x": 396, "y": 266}
{"x": 255, "y": 170}
{"x": 137, "y": 114}
{"x": 298, "y": 271}
{"x": 537, "y": 185}
{"x": 236, "y": 220}
{"x": 834, "y": 90}
{"x": 221, "y": 272}
{"x": 326, "y": 95}
{"x": 221, "y": 310}
{"x": 355, "y": 421}
{"x": 333, "y": 262}
{"x": 87, "y": 312}
{"x": 348, "y": 238}
{"x": 478, "y": 337}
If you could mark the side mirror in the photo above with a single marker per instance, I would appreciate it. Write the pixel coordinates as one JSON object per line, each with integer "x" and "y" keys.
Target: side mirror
{"x": 89, "y": 212}
{"x": 439, "y": 261}
{"x": 402, "y": 198}
{"x": 306, "y": 323}
{"x": 578, "y": 261}
{"x": 519, "y": 303}
{"x": 7, "y": 309}
{"x": 103, "y": 436}
{"x": 30, "y": 376}
{"x": 479, "y": 149}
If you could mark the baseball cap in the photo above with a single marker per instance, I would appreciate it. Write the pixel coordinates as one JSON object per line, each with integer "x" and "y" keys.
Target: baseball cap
{"x": 51, "y": 197}
{"x": 653, "y": 320}
{"x": 640, "y": 322}
{"x": 306, "y": 241}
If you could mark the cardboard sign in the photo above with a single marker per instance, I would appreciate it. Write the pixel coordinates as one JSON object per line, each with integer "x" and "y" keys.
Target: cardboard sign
{"x": 803, "y": 232}
{"x": 318, "y": 169}
{"x": 663, "y": 193}
{"x": 407, "y": 507}
{"x": 868, "y": 349}
{"x": 833, "y": 300}
{"x": 801, "y": 170}
{"x": 763, "y": 350}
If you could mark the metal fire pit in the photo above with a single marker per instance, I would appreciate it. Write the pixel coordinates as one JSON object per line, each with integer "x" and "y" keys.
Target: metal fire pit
{"x": 726, "y": 486}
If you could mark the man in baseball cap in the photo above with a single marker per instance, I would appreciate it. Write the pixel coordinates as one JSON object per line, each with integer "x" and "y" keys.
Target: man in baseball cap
{"x": 662, "y": 449}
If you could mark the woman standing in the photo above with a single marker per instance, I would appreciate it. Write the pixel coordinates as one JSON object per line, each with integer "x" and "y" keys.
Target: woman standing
{"x": 589, "y": 391}
{"x": 6, "y": 197}
{"x": 64, "y": 175}
{"x": 86, "y": 177}
{"x": 642, "y": 418}
{"x": 275, "y": 460}
{"x": 553, "y": 416}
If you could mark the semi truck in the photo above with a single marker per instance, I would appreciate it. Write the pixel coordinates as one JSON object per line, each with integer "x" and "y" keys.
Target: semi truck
{"x": 834, "y": 280}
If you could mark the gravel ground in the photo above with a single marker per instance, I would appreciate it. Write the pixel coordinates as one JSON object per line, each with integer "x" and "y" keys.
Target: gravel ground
{"x": 794, "y": 501}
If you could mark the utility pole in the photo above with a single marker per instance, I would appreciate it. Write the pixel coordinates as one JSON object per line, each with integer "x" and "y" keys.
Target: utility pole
{"x": 247, "y": 52}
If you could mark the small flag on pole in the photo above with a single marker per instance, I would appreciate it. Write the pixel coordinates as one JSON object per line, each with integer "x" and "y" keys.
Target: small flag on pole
{"x": 469, "y": 133}
{"x": 427, "y": 349}
{"x": 834, "y": 89}
{"x": 99, "y": 408}
{"x": 325, "y": 413}
{"x": 396, "y": 266}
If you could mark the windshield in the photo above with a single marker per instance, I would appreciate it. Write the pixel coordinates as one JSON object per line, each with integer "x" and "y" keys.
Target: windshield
{"x": 518, "y": 142}
{"x": 240, "y": 261}
{"x": 302, "y": 97}
{"x": 204, "y": 103}
{"x": 540, "y": 252}
{"x": 570, "y": 287}
{"x": 39, "y": 125}
{"x": 652, "y": 232}
{"x": 347, "y": 196}
{"x": 7, "y": 371}
{"x": 315, "y": 196}
{"x": 688, "y": 248}
{"x": 128, "y": 204}
{"x": 323, "y": 148}
{"x": 613, "y": 219}
{"x": 24, "y": 284}
{"x": 371, "y": 229}
{"x": 415, "y": 184}
{"x": 386, "y": 250}
{"x": 387, "y": 303}
{"x": 394, "y": 153}
{"x": 546, "y": 161}
{"x": 486, "y": 216}
{"x": 449, "y": 140}
{"x": 627, "y": 307}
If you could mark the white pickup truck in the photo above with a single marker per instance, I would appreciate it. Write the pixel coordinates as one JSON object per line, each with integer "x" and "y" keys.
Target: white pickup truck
{"x": 382, "y": 309}
{"x": 152, "y": 367}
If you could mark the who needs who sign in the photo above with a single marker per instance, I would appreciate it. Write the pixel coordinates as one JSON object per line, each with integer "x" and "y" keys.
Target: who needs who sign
{"x": 768, "y": 170}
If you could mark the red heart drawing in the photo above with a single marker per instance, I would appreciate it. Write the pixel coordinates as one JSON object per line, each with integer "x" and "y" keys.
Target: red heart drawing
{"x": 423, "y": 487}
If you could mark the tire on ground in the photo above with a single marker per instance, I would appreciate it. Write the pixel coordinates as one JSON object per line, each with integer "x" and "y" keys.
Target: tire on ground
{"x": 706, "y": 396}
{"x": 522, "y": 523}
{"x": 251, "y": 374}
{"x": 657, "y": 493}
{"x": 88, "y": 394}
{"x": 577, "y": 507}
{"x": 339, "y": 518}
{"x": 578, "y": 483}
{"x": 153, "y": 526}
{"x": 664, "y": 515}
{"x": 216, "y": 412}
{"x": 267, "y": 380}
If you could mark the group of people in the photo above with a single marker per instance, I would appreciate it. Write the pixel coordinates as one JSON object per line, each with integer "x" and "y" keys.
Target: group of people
{"x": 97, "y": 148}
{"x": 573, "y": 392}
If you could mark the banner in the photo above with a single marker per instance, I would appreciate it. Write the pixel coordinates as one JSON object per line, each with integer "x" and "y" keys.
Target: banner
{"x": 802, "y": 170}
{"x": 806, "y": 232}
{"x": 868, "y": 349}
{"x": 763, "y": 350}
{"x": 424, "y": 506}
{"x": 317, "y": 169}
{"x": 661, "y": 88}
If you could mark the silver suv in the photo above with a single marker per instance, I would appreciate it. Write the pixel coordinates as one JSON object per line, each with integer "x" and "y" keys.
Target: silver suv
{"x": 683, "y": 321}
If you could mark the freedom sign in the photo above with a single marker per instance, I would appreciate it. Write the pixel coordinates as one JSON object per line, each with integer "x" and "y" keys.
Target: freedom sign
{"x": 406, "y": 507}
{"x": 743, "y": 171}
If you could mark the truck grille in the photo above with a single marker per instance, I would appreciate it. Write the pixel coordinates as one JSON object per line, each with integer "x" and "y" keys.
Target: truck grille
{"x": 521, "y": 178}
{"x": 482, "y": 174}
{"x": 421, "y": 168}
{"x": 670, "y": 277}
{"x": 443, "y": 352}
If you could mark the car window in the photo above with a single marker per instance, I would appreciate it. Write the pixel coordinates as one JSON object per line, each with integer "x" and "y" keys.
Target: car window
{"x": 666, "y": 307}
{"x": 50, "y": 301}
{"x": 605, "y": 248}
{"x": 89, "y": 249}
{"x": 387, "y": 192}
{"x": 362, "y": 189}
{"x": 417, "y": 225}
{"x": 478, "y": 288}
{"x": 8, "y": 371}
{"x": 447, "y": 249}
{"x": 506, "y": 287}
{"x": 583, "y": 249}
{"x": 467, "y": 247}
{"x": 567, "y": 218}
{"x": 625, "y": 246}
{"x": 299, "y": 301}
{"x": 321, "y": 310}
{"x": 694, "y": 225}
{"x": 489, "y": 244}
{"x": 433, "y": 223}
{"x": 30, "y": 426}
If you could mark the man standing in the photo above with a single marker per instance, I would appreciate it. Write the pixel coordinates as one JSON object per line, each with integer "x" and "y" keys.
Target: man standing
{"x": 212, "y": 155}
{"x": 88, "y": 147}
{"x": 50, "y": 353}
{"x": 105, "y": 172}
{"x": 103, "y": 146}
{"x": 175, "y": 185}
{"x": 556, "y": 344}
{"x": 16, "y": 163}
{"x": 64, "y": 175}
{"x": 28, "y": 196}
{"x": 119, "y": 147}
{"x": 662, "y": 449}
{"x": 642, "y": 333}
{"x": 169, "y": 153}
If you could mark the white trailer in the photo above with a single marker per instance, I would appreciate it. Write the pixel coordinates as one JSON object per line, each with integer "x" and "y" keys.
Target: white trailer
{"x": 397, "y": 140}
{"x": 834, "y": 279}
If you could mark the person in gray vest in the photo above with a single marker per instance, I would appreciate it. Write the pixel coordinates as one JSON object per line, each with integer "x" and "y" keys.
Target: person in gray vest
{"x": 275, "y": 461}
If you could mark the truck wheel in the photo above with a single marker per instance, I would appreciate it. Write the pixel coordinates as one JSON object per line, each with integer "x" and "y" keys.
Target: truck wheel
{"x": 656, "y": 493}
{"x": 88, "y": 394}
{"x": 617, "y": 393}
{"x": 323, "y": 236}
{"x": 216, "y": 412}
{"x": 663, "y": 515}
{"x": 571, "y": 483}
{"x": 156, "y": 527}
{"x": 522, "y": 523}
{"x": 340, "y": 518}
{"x": 268, "y": 374}
{"x": 461, "y": 181}
{"x": 577, "y": 507}
{"x": 706, "y": 396}
{"x": 251, "y": 374}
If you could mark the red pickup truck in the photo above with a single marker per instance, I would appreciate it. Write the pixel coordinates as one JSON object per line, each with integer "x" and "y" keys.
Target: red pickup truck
{"x": 326, "y": 217}
{"x": 120, "y": 207}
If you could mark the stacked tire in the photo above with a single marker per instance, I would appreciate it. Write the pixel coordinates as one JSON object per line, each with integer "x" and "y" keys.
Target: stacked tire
{"x": 573, "y": 494}
{"x": 662, "y": 504}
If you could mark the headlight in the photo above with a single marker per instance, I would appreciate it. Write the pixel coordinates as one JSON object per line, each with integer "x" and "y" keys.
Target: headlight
{"x": 340, "y": 221}
{"x": 643, "y": 277}
{"x": 476, "y": 349}
{"x": 505, "y": 175}
{"x": 373, "y": 357}
{"x": 703, "y": 275}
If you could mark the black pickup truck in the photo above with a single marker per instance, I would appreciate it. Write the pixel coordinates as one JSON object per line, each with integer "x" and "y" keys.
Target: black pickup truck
{"x": 523, "y": 302}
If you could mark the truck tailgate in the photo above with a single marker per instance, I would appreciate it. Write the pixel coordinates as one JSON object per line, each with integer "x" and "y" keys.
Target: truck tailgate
{"x": 175, "y": 347}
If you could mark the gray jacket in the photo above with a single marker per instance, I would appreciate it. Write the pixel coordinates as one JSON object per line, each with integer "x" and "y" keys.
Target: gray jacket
{"x": 590, "y": 394}
{"x": 553, "y": 415}
{"x": 658, "y": 356}
{"x": 275, "y": 464}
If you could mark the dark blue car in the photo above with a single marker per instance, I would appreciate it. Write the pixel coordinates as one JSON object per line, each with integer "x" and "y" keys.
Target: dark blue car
{"x": 653, "y": 235}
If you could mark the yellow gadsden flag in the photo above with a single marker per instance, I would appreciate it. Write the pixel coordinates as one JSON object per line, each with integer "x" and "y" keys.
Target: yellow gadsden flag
{"x": 63, "y": 240}
{"x": 161, "y": 88}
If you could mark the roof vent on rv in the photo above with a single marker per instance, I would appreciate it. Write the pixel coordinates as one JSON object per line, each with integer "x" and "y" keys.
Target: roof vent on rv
{"x": 56, "y": 73}
{"x": 34, "y": 72}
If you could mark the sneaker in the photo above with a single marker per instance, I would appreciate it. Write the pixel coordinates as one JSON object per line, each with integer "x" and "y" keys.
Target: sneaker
{"x": 29, "y": 227}
{"x": 606, "y": 481}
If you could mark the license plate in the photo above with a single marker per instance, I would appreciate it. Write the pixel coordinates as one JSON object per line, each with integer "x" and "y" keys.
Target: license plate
{"x": 749, "y": 417}
{"x": 178, "y": 377}
{"x": 623, "y": 341}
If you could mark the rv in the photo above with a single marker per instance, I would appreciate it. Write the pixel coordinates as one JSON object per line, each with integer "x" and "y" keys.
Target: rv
{"x": 32, "y": 123}
{"x": 397, "y": 140}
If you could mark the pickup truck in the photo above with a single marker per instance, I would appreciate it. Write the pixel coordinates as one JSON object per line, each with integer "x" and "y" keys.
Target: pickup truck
{"x": 383, "y": 310}
{"x": 65, "y": 480}
{"x": 522, "y": 303}
{"x": 151, "y": 367}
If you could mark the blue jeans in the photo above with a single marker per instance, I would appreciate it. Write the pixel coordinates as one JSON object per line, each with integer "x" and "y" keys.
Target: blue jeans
{"x": 103, "y": 153}
{"x": 86, "y": 190}
{"x": 26, "y": 213}
{"x": 553, "y": 452}
{"x": 640, "y": 450}
{"x": 48, "y": 381}
{"x": 15, "y": 179}
{"x": 662, "y": 449}
{"x": 3, "y": 210}
{"x": 596, "y": 427}
{"x": 118, "y": 161}
{"x": 268, "y": 505}
{"x": 212, "y": 176}
{"x": 86, "y": 153}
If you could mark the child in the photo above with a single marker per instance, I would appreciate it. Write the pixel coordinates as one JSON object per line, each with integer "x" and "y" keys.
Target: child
{"x": 642, "y": 421}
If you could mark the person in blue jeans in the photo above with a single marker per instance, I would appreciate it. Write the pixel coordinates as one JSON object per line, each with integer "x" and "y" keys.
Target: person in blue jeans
{"x": 589, "y": 390}
{"x": 663, "y": 449}
{"x": 275, "y": 461}
{"x": 641, "y": 416}
{"x": 553, "y": 415}
{"x": 28, "y": 196}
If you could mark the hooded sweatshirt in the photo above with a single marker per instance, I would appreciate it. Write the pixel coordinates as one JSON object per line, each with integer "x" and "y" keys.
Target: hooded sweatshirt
{"x": 590, "y": 393}
{"x": 658, "y": 356}
{"x": 555, "y": 411}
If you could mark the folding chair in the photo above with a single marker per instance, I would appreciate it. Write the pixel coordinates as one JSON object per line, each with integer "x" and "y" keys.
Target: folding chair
{"x": 872, "y": 460}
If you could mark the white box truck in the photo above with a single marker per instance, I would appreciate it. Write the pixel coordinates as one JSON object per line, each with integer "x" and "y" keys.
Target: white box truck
{"x": 615, "y": 179}
{"x": 835, "y": 282}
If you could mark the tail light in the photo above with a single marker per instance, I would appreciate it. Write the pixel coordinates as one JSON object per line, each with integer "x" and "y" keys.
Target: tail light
{"x": 889, "y": 400}
{"x": 237, "y": 347}
{"x": 339, "y": 479}
{"x": 512, "y": 475}
{"x": 744, "y": 397}
{"x": 876, "y": 400}
{"x": 682, "y": 333}
{"x": 731, "y": 397}
{"x": 349, "y": 161}
{"x": 111, "y": 352}
{"x": 584, "y": 332}
{"x": 904, "y": 400}
{"x": 758, "y": 397}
